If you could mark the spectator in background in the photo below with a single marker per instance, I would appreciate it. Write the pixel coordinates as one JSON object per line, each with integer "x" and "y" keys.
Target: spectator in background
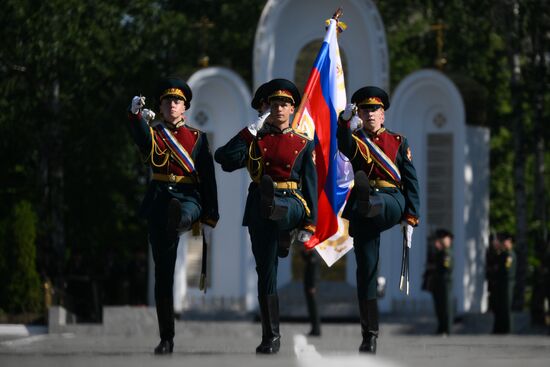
{"x": 490, "y": 268}
{"x": 505, "y": 274}
{"x": 438, "y": 278}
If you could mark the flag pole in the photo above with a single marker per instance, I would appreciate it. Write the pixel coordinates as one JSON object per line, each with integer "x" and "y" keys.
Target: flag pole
{"x": 404, "y": 278}
{"x": 337, "y": 14}
{"x": 300, "y": 110}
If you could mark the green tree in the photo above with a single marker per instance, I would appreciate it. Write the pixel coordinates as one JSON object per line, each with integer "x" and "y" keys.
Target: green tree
{"x": 68, "y": 70}
{"x": 503, "y": 47}
{"x": 3, "y": 265}
{"x": 23, "y": 291}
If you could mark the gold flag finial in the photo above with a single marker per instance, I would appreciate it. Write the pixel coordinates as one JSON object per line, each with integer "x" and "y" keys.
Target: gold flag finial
{"x": 337, "y": 14}
{"x": 340, "y": 26}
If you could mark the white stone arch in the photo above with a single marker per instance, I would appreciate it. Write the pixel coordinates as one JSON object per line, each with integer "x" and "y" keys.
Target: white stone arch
{"x": 419, "y": 101}
{"x": 221, "y": 107}
{"x": 286, "y": 26}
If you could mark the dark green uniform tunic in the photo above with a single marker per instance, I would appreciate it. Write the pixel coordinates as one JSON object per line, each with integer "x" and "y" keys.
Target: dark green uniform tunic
{"x": 287, "y": 157}
{"x": 438, "y": 281}
{"x": 196, "y": 191}
{"x": 400, "y": 200}
{"x": 504, "y": 290}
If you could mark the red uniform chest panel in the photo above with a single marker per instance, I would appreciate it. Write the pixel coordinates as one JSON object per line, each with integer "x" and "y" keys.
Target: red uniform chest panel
{"x": 279, "y": 153}
{"x": 389, "y": 143}
{"x": 187, "y": 138}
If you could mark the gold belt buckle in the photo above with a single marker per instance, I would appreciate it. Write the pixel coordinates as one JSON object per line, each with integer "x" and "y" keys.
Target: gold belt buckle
{"x": 172, "y": 177}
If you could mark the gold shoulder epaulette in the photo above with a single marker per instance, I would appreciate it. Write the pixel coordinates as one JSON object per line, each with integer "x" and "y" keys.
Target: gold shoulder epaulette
{"x": 401, "y": 136}
{"x": 302, "y": 135}
{"x": 194, "y": 129}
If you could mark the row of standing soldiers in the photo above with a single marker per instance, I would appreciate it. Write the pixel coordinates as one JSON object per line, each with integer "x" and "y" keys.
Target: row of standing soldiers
{"x": 281, "y": 205}
{"x": 500, "y": 267}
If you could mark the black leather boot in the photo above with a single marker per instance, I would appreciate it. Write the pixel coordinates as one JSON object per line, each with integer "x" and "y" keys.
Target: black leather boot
{"x": 268, "y": 207}
{"x": 313, "y": 312}
{"x": 367, "y": 206}
{"x": 362, "y": 190}
{"x": 368, "y": 312}
{"x": 269, "y": 312}
{"x": 165, "y": 347}
{"x": 173, "y": 219}
{"x": 165, "y": 316}
{"x": 177, "y": 221}
{"x": 284, "y": 244}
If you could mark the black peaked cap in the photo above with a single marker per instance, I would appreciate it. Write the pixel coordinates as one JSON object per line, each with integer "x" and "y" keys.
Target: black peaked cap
{"x": 276, "y": 85}
{"x": 365, "y": 93}
{"x": 169, "y": 86}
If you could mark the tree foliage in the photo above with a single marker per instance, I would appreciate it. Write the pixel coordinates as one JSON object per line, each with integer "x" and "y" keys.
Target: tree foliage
{"x": 69, "y": 68}
{"x": 497, "y": 55}
{"x": 22, "y": 283}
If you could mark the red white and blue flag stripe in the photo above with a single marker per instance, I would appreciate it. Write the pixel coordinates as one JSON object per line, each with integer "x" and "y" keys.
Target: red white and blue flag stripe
{"x": 323, "y": 99}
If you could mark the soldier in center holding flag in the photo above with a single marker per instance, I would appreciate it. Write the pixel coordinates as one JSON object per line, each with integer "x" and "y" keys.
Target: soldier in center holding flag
{"x": 385, "y": 193}
{"x": 282, "y": 196}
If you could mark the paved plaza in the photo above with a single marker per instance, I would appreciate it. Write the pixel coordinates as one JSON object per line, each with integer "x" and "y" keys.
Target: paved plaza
{"x": 404, "y": 341}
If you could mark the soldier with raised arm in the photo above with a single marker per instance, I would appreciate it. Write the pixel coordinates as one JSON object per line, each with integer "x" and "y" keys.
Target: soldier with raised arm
{"x": 282, "y": 196}
{"x": 182, "y": 190}
{"x": 385, "y": 193}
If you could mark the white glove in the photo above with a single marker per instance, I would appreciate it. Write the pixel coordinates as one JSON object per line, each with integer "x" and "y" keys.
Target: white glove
{"x": 137, "y": 104}
{"x": 303, "y": 236}
{"x": 207, "y": 232}
{"x": 355, "y": 123}
{"x": 148, "y": 115}
{"x": 408, "y": 230}
{"x": 349, "y": 111}
{"x": 257, "y": 125}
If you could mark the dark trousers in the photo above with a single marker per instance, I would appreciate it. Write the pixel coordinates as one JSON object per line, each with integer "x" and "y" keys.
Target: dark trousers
{"x": 264, "y": 235}
{"x": 503, "y": 307}
{"x": 441, "y": 294}
{"x": 366, "y": 241}
{"x": 164, "y": 255}
{"x": 311, "y": 276}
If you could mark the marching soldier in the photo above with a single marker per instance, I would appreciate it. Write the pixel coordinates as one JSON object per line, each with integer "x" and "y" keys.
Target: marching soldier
{"x": 504, "y": 285}
{"x": 281, "y": 197}
{"x": 385, "y": 193}
{"x": 438, "y": 278}
{"x": 182, "y": 191}
{"x": 311, "y": 258}
{"x": 260, "y": 103}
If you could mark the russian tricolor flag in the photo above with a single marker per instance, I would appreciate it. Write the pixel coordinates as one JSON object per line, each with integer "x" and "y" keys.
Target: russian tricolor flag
{"x": 323, "y": 99}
